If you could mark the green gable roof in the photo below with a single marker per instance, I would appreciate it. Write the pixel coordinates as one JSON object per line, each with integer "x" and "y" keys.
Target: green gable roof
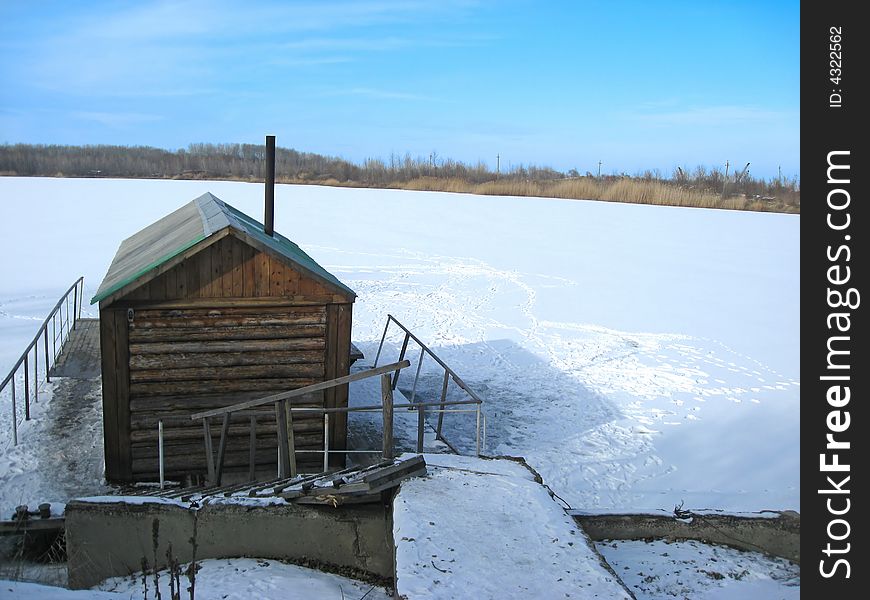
{"x": 196, "y": 221}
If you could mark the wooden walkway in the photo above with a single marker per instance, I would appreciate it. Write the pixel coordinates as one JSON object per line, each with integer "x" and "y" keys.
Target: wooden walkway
{"x": 80, "y": 356}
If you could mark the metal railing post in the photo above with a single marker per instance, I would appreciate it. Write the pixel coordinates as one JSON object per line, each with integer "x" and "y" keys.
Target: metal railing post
{"x": 477, "y": 450}
{"x": 160, "y": 450}
{"x": 47, "y": 365}
{"x": 325, "y": 441}
{"x": 36, "y": 372}
{"x": 441, "y": 408}
{"x": 401, "y": 358}
{"x": 381, "y": 345}
{"x": 26, "y": 389}
{"x": 75, "y": 301}
{"x": 417, "y": 374}
{"x": 14, "y": 415}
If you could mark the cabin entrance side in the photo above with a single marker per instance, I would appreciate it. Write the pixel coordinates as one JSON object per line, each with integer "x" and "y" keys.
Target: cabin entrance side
{"x": 228, "y": 320}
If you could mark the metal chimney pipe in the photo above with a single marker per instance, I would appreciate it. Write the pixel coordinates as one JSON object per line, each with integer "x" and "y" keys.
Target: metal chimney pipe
{"x": 269, "y": 220}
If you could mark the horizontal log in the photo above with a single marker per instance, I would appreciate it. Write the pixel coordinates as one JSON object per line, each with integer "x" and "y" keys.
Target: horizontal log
{"x": 167, "y": 404}
{"x": 150, "y": 434}
{"x": 293, "y": 344}
{"x": 147, "y": 471}
{"x": 224, "y": 373}
{"x": 195, "y": 463}
{"x": 193, "y": 388}
{"x": 223, "y": 359}
{"x": 224, "y": 303}
{"x": 255, "y": 309}
{"x": 254, "y": 332}
{"x": 307, "y": 441}
{"x": 174, "y": 421}
{"x": 321, "y": 385}
{"x": 282, "y": 319}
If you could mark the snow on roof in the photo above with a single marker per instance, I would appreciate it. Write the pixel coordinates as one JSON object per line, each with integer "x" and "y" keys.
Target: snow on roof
{"x": 184, "y": 228}
{"x": 485, "y": 529}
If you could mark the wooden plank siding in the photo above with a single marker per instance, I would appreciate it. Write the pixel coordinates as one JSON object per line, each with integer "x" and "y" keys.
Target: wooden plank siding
{"x": 225, "y": 325}
{"x": 229, "y": 268}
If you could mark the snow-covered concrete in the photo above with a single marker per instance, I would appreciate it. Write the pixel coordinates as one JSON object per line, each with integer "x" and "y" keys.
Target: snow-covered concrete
{"x": 475, "y": 528}
{"x": 695, "y": 571}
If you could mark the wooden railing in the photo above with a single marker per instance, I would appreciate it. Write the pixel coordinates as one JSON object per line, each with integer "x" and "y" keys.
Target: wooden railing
{"x": 62, "y": 322}
{"x": 448, "y": 375}
{"x": 284, "y": 417}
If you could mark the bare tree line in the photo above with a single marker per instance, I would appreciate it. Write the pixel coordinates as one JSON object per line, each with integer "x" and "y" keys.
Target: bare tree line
{"x": 246, "y": 162}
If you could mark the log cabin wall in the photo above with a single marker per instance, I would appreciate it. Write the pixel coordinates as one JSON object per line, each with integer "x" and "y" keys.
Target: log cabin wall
{"x": 228, "y": 323}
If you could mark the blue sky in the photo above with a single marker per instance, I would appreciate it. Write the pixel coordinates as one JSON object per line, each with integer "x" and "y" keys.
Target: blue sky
{"x": 637, "y": 85}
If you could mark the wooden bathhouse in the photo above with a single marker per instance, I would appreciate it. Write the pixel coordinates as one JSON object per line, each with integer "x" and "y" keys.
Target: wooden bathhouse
{"x": 204, "y": 309}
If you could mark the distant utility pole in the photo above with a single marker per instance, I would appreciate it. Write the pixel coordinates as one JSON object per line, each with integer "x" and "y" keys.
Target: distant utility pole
{"x": 599, "y": 169}
{"x": 725, "y": 181}
{"x": 779, "y": 170}
{"x": 497, "y": 165}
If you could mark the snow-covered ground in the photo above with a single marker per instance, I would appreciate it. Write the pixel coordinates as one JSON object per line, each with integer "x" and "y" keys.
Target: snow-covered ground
{"x": 637, "y": 356}
{"x": 694, "y": 571}
{"x": 227, "y": 579}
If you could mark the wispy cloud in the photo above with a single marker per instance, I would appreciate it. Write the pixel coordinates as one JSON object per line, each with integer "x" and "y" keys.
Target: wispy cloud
{"x": 115, "y": 119}
{"x": 382, "y": 94}
{"x": 708, "y": 115}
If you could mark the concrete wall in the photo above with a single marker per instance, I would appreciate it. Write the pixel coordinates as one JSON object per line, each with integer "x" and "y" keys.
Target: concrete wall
{"x": 110, "y": 539}
{"x": 778, "y": 536}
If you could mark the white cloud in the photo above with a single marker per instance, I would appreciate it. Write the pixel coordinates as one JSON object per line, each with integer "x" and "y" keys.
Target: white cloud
{"x": 709, "y": 115}
{"x": 115, "y": 119}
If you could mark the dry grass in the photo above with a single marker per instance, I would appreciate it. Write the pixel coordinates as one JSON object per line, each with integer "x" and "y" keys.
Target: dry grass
{"x": 613, "y": 190}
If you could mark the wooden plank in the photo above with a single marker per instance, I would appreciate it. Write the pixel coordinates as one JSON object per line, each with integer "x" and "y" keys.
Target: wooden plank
{"x": 331, "y": 367}
{"x": 222, "y": 359}
{"x": 180, "y": 280}
{"x": 217, "y": 270}
{"x": 246, "y": 309}
{"x": 110, "y": 394}
{"x": 122, "y": 366}
{"x": 283, "y": 451}
{"x": 195, "y": 387}
{"x": 387, "y": 397}
{"x": 170, "y": 284}
{"x": 252, "y": 469}
{"x": 322, "y": 283}
{"x": 202, "y": 261}
{"x": 209, "y": 452}
{"x": 265, "y": 428}
{"x": 222, "y": 450}
{"x": 197, "y": 302}
{"x": 291, "y": 280}
{"x": 291, "y": 436}
{"x": 338, "y": 435}
{"x": 248, "y": 332}
{"x": 238, "y": 442}
{"x": 301, "y": 391}
{"x": 262, "y": 274}
{"x": 293, "y": 344}
{"x": 237, "y": 277}
{"x": 157, "y": 271}
{"x": 298, "y": 370}
{"x": 248, "y": 272}
{"x": 187, "y": 402}
{"x": 276, "y": 277}
{"x": 226, "y": 248}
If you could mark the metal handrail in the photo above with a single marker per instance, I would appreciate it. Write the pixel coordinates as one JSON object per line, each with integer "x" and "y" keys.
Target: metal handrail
{"x": 448, "y": 374}
{"x": 58, "y": 337}
{"x": 283, "y": 416}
